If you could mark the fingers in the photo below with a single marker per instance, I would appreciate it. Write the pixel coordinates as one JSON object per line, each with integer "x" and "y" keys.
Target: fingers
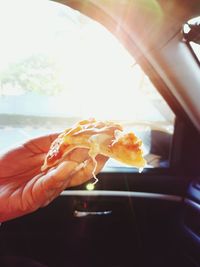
{"x": 67, "y": 174}
{"x": 83, "y": 173}
{"x": 86, "y": 173}
{"x": 48, "y": 186}
{"x": 71, "y": 173}
{"x": 78, "y": 155}
{"x": 57, "y": 177}
{"x": 41, "y": 144}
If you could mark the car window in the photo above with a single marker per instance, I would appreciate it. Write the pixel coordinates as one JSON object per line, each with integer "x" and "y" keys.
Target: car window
{"x": 196, "y": 48}
{"x": 58, "y": 67}
{"x": 191, "y": 33}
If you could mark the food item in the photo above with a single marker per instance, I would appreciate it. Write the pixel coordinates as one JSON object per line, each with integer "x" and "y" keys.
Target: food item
{"x": 99, "y": 137}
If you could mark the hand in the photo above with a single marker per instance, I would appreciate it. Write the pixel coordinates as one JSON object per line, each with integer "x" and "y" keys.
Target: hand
{"x": 24, "y": 188}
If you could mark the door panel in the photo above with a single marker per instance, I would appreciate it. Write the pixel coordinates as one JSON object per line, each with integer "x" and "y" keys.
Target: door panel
{"x": 190, "y": 235}
{"x": 139, "y": 230}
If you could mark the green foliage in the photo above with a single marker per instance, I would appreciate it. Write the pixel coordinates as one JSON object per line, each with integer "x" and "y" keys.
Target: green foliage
{"x": 38, "y": 73}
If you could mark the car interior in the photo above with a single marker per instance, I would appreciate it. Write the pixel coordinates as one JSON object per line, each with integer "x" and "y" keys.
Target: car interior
{"x": 130, "y": 218}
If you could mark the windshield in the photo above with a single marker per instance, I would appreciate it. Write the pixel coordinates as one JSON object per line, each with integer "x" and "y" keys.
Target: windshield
{"x": 58, "y": 66}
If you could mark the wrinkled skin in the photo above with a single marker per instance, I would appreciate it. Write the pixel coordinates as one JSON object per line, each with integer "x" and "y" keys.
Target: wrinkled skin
{"x": 24, "y": 188}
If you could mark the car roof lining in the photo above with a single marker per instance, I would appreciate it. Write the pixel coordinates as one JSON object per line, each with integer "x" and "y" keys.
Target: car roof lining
{"x": 123, "y": 18}
{"x": 156, "y": 36}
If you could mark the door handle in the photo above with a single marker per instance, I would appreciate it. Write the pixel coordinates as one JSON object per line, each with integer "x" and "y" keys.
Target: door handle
{"x": 78, "y": 213}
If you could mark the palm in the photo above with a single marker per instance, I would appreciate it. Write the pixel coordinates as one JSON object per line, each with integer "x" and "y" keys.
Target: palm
{"x": 24, "y": 161}
{"x": 24, "y": 188}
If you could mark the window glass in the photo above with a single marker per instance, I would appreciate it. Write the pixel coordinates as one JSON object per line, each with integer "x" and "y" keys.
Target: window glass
{"x": 196, "y": 49}
{"x": 191, "y": 34}
{"x": 58, "y": 66}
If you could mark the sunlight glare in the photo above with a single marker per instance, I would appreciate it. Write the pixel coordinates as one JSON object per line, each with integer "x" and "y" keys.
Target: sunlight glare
{"x": 90, "y": 187}
{"x": 96, "y": 72}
